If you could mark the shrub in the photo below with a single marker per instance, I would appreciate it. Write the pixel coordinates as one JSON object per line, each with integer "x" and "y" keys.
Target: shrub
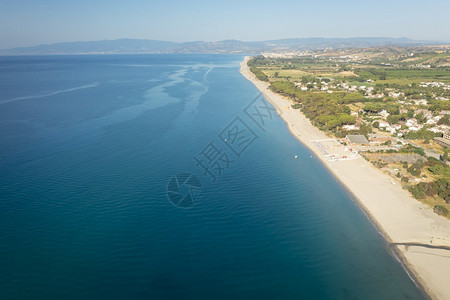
{"x": 443, "y": 187}
{"x": 417, "y": 192}
{"x": 436, "y": 169}
{"x": 440, "y": 210}
{"x": 414, "y": 170}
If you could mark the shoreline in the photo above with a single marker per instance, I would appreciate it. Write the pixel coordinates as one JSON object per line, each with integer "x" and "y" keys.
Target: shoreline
{"x": 406, "y": 224}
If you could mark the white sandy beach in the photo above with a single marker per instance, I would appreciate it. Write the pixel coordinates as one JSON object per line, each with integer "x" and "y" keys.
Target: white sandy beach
{"x": 400, "y": 217}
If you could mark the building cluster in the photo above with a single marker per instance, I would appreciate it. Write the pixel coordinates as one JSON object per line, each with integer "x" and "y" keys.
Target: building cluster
{"x": 428, "y": 119}
{"x": 285, "y": 54}
{"x": 435, "y": 84}
{"x": 444, "y": 140}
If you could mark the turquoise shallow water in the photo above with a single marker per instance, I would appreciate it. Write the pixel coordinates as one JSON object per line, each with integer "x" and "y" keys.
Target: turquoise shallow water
{"x": 88, "y": 148}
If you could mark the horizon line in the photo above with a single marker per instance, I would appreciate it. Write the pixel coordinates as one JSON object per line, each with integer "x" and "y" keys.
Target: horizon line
{"x": 228, "y": 39}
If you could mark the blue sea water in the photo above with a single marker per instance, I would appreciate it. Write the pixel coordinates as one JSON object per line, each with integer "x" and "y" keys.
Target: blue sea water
{"x": 90, "y": 150}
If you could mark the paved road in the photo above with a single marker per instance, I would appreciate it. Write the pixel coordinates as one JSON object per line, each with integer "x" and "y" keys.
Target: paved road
{"x": 427, "y": 151}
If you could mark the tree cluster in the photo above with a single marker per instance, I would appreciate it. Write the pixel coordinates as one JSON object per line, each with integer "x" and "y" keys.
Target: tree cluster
{"x": 325, "y": 110}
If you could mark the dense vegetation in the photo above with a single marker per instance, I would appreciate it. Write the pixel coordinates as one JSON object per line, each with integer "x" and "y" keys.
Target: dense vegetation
{"x": 396, "y": 92}
{"x": 259, "y": 74}
{"x": 440, "y": 187}
{"x": 323, "y": 109}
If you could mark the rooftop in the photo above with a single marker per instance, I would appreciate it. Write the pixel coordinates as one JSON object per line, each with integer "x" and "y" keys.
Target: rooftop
{"x": 357, "y": 139}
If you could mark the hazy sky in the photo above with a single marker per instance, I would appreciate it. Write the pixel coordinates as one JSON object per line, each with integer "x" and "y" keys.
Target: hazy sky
{"x": 31, "y": 22}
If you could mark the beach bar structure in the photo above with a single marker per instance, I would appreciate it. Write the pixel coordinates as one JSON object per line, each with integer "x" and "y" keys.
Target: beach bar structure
{"x": 356, "y": 139}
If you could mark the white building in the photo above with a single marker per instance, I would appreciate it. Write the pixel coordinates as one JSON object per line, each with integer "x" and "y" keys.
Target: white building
{"x": 383, "y": 124}
{"x": 351, "y": 127}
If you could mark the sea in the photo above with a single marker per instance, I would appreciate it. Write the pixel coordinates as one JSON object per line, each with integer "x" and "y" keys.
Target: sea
{"x": 170, "y": 177}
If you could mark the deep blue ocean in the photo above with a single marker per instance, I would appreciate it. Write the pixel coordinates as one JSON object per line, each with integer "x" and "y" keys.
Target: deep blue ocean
{"x": 169, "y": 177}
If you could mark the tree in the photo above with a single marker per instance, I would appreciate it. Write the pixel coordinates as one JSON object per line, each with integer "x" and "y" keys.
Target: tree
{"x": 420, "y": 118}
{"x": 422, "y": 134}
{"x": 429, "y": 188}
{"x": 440, "y": 210}
{"x": 445, "y": 120}
{"x": 416, "y": 168}
{"x": 393, "y": 119}
{"x": 443, "y": 187}
{"x": 373, "y": 107}
{"x": 259, "y": 74}
{"x": 304, "y": 79}
{"x": 436, "y": 169}
{"x": 417, "y": 192}
{"x": 365, "y": 129}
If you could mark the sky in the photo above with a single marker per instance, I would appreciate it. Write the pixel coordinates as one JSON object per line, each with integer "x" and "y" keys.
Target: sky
{"x": 33, "y": 22}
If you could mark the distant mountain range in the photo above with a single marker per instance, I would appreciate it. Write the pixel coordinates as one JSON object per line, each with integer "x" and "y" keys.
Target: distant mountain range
{"x": 137, "y": 46}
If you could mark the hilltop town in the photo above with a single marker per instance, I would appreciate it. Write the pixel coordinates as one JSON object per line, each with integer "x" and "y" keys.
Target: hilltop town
{"x": 391, "y": 105}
